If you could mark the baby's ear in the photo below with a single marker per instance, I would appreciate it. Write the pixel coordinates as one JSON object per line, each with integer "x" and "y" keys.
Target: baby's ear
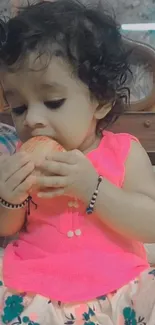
{"x": 102, "y": 110}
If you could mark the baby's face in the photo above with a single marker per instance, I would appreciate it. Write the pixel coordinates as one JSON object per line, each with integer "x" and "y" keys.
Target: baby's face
{"x": 51, "y": 102}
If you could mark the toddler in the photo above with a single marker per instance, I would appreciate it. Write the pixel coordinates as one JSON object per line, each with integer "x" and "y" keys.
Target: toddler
{"x": 79, "y": 257}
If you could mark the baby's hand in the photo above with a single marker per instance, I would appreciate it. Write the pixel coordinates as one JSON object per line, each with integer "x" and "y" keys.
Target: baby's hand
{"x": 73, "y": 175}
{"x": 16, "y": 177}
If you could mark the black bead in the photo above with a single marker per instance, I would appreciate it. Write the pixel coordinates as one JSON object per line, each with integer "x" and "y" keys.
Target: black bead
{"x": 89, "y": 210}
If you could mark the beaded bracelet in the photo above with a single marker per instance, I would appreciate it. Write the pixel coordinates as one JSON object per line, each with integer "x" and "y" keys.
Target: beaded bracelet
{"x": 12, "y": 206}
{"x": 90, "y": 207}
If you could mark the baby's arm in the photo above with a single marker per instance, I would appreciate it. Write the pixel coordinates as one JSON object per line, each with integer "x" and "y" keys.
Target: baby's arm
{"x": 150, "y": 251}
{"x": 16, "y": 180}
{"x": 11, "y": 221}
{"x": 131, "y": 210}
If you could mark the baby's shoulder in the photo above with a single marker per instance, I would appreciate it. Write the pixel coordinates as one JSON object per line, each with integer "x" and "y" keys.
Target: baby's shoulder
{"x": 119, "y": 144}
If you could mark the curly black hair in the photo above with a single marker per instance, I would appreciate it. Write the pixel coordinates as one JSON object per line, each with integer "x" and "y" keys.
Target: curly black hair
{"x": 87, "y": 37}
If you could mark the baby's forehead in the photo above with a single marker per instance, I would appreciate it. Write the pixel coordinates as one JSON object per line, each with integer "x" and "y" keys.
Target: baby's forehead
{"x": 56, "y": 78}
{"x": 55, "y": 74}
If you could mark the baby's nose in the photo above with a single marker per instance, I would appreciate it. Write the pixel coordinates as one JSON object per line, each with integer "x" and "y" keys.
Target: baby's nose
{"x": 36, "y": 116}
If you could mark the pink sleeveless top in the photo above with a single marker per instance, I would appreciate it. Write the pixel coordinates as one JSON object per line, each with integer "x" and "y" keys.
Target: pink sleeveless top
{"x": 69, "y": 256}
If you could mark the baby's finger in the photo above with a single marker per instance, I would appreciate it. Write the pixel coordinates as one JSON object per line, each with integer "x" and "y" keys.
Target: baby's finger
{"x": 3, "y": 155}
{"x": 51, "y": 181}
{"x": 51, "y": 194}
{"x": 26, "y": 186}
{"x": 17, "y": 178}
{"x": 12, "y": 164}
{"x": 68, "y": 157}
{"x": 55, "y": 168}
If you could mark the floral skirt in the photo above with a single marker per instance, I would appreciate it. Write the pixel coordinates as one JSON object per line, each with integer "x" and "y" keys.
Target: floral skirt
{"x": 134, "y": 304}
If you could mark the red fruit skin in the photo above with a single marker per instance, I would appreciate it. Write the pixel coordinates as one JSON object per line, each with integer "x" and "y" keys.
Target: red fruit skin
{"x": 39, "y": 148}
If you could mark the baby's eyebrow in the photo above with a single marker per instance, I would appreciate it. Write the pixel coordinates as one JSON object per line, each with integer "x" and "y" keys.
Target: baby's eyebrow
{"x": 8, "y": 91}
{"x": 52, "y": 86}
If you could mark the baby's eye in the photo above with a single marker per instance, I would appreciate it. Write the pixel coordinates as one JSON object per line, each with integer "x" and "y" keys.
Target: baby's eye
{"x": 19, "y": 110}
{"x": 53, "y": 104}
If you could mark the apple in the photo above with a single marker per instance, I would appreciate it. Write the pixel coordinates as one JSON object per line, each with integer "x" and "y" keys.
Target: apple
{"x": 39, "y": 147}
